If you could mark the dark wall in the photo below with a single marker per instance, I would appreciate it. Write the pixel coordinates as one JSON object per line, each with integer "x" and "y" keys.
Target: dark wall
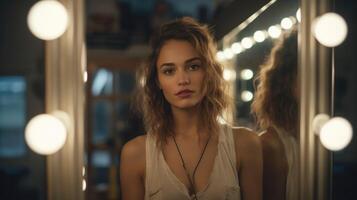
{"x": 22, "y": 54}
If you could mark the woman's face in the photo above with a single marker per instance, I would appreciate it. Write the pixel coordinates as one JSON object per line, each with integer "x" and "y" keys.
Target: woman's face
{"x": 180, "y": 74}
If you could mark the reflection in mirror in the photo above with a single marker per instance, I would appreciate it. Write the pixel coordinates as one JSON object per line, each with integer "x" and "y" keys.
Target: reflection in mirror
{"x": 267, "y": 49}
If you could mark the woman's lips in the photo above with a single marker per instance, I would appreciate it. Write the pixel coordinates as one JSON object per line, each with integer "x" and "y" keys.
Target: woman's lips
{"x": 184, "y": 93}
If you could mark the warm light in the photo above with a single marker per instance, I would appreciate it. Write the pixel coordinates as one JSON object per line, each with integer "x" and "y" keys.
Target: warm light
{"x": 83, "y": 171}
{"x": 47, "y": 19}
{"x": 330, "y": 29}
{"x": 236, "y": 48}
{"x": 247, "y": 42}
{"x": 286, "y": 23}
{"x": 247, "y": 95}
{"x": 336, "y": 134}
{"x": 84, "y": 185}
{"x": 220, "y": 56}
{"x": 274, "y": 31}
{"x": 298, "y": 15}
{"x": 229, "y": 74}
{"x": 228, "y": 53}
{"x": 259, "y": 36}
{"x": 318, "y": 121}
{"x": 45, "y": 134}
{"x": 246, "y": 74}
{"x": 85, "y": 76}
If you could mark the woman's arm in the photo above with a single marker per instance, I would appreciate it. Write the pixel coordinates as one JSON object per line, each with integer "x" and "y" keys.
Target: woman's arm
{"x": 249, "y": 163}
{"x": 132, "y": 169}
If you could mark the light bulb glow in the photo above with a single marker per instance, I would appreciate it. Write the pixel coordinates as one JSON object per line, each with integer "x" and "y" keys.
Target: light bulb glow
{"x": 330, "y": 29}
{"x": 45, "y": 134}
{"x": 84, "y": 185}
{"x": 47, "y": 19}
{"x": 246, "y": 74}
{"x": 220, "y": 56}
{"x": 286, "y": 23}
{"x": 236, "y": 48}
{"x": 259, "y": 36}
{"x": 229, "y": 74}
{"x": 228, "y": 54}
{"x": 336, "y": 134}
{"x": 247, "y": 42}
{"x": 298, "y": 15}
{"x": 274, "y": 31}
{"x": 246, "y": 95}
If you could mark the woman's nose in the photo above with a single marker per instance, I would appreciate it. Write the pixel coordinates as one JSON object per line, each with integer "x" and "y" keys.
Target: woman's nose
{"x": 183, "y": 78}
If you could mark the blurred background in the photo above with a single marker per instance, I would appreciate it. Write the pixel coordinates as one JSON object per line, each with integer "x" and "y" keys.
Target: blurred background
{"x": 117, "y": 34}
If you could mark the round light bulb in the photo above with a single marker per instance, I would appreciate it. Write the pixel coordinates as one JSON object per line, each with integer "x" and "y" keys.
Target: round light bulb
{"x": 246, "y": 74}
{"x": 220, "y": 56}
{"x": 274, "y": 31}
{"x": 318, "y": 121}
{"x": 330, "y": 29}
{"x": 259, "y": 36}
{"x": 45, "y": 134}
{"x": 247, "y": 42}
{"x": 246, "y": 95}
{"x": 229, "y": 74}
{"x": 286, "y": 23}
{"x": 236, "y": 48}
{"x": 336, "y": 134}
{"x": 47, "y": 19}
{"x": 298, "y": 15}
{"x": 228, "y": 54}
{"x": 84, "y": 185}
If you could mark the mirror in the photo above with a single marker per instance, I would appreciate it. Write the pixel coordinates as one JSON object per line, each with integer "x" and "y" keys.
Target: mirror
{"x": 262, "y": 55}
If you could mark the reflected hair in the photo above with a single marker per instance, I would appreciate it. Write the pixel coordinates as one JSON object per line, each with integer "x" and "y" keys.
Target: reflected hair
{"x": 158, "y": 119}
{"x": 275, "y": 102}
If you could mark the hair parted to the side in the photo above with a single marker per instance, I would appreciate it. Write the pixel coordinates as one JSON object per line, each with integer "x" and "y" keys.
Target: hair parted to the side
{"x": 156, "y": 110}
{"x": 275, "y": 102}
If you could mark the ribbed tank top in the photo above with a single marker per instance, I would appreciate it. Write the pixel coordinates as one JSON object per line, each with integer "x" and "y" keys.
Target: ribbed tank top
{"x": 291, "y": 152}
{"x": 162, "y": 184}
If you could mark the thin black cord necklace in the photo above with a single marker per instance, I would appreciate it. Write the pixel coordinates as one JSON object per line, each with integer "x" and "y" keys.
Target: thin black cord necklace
{"x": 192, "y": 181}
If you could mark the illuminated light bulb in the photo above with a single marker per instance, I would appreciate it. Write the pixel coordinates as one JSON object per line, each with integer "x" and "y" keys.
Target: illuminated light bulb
{"x": 45, "y": 134}
{"x": 246, "y": 74}
{"x": 47, "y": 19}
{"x": 330, "y": 29}
{"x": 318, "y": 121}
{"x": 237, "y": 48}
{"x": 286, "y": 23}
{"x": 246, "y": 95}
{"x": 84, "y": 185}
{"x": 228, "y": 54}
{"x": 85, "y": 76}
{"x": 298, "y": 15}
{"x": 83, "y": 171}
{"x": 229, "y": 74}
{"x": 247, "y": 42}
{"x": 274, "y": 31}
{"x": 220, "y": 56}
{"x": 336, "y": 134}
{"x": 259, "y": 36}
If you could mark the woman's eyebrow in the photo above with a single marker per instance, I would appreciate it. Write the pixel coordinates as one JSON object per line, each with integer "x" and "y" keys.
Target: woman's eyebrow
{"x": 193, "y": 59}
{"x": 173, "y": 64}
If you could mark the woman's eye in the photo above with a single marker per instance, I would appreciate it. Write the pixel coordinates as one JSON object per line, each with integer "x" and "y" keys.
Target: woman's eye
{"x": 194, "y": 67}
{"x": 168, "y": 71}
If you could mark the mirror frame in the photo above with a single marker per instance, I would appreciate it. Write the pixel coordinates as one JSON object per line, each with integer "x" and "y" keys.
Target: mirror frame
{"x": 65, "y": 90}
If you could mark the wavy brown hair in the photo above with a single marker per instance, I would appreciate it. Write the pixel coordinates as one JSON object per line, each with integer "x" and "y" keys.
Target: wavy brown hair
{"x": 275, "y": 102}
{"x": 156, "y": 109}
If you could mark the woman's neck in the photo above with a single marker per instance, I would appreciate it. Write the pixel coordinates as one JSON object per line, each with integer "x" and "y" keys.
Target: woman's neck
{"x": 187, "y": 124}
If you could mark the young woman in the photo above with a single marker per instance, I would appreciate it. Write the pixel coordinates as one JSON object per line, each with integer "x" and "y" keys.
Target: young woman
{"x": 276, "y": 108}
{"x": 186, "y": 153}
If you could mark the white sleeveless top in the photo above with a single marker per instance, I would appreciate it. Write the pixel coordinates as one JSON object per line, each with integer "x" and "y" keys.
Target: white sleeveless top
{"x": 291, "y": 152}
{"x": 162, "y": 184}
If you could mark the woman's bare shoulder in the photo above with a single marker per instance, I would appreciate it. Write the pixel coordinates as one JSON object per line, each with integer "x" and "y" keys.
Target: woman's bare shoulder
{"x": 133, "y": 152}
{"x": 245, "y": 137}
{"x": 270, "y": 142}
